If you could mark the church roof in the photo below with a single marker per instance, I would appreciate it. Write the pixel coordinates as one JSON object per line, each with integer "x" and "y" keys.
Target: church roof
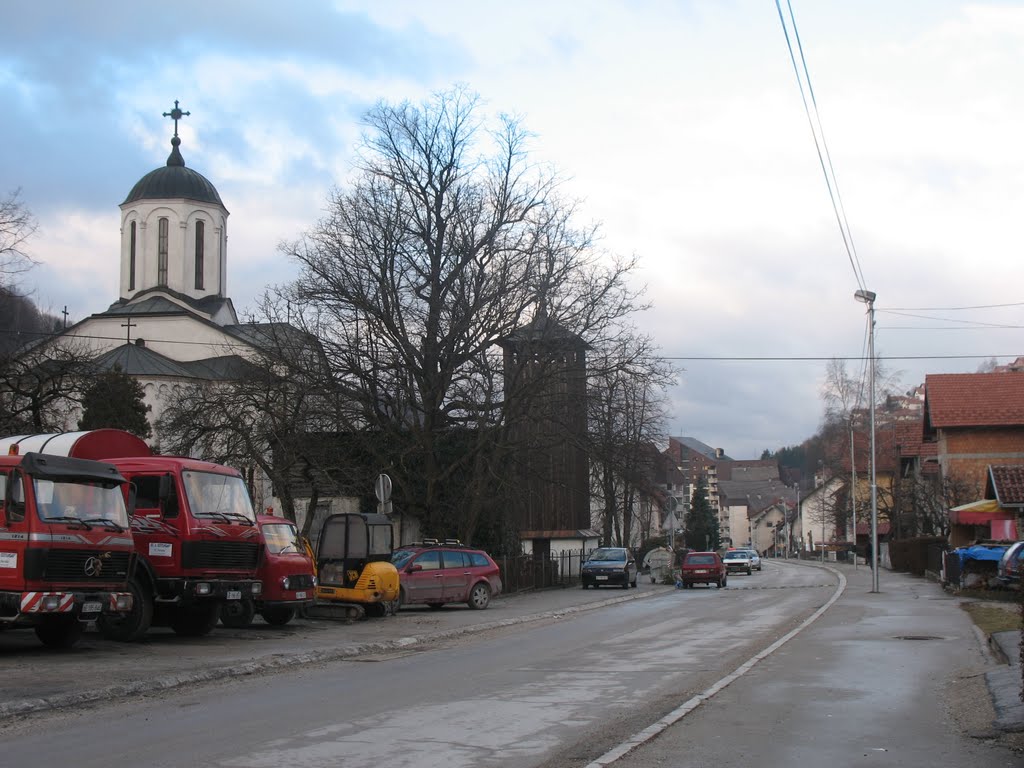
{"x": 138, "y": 360}
{"x": 161, "y": 305}
{"x": 174, "y": 181}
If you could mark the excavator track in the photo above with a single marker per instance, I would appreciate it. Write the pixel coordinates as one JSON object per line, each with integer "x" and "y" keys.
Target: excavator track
{"x": 331, "y": 611}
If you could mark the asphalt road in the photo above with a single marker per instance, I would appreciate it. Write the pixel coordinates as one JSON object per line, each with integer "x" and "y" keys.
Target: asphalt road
{"x": 749, "y": 675}
{"x": 563, "y": 688}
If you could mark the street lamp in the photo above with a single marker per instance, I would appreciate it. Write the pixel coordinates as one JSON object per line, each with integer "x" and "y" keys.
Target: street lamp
{"x": 867, "y": 297}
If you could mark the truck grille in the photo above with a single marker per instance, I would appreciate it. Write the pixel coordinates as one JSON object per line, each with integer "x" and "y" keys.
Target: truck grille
{"x": 301, "y": 581}
{"x": 220, "y": 555}
{"x": 70, "y": 565}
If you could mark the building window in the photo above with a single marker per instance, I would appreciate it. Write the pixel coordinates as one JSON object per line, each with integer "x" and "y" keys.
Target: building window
{"x": 161, "y": 251}
{"x": 131, "y": 258}
{"x": 200, "y": 239}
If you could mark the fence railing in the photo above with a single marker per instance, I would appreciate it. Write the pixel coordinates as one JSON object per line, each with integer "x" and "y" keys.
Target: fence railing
{"x": 521, "y": 573}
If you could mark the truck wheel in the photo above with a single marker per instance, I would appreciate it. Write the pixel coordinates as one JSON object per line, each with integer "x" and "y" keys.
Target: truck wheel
{"x": 196, "y": 620}
{"x": 129, "y": 627}
{"x": 237, "y": 614}
{"x": 59, "y": 631}
{"x": 277, "y": 615}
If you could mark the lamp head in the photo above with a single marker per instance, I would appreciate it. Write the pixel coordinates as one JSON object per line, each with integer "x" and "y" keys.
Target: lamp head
{"x": 865, "y": 297}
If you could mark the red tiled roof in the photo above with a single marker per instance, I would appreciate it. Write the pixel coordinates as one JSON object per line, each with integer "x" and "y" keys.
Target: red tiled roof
{"x": 910, "y": 440}
{"x": 864, "y": 529}
{"x": 975, "y": 399}
{"x": 1008, "y": 484}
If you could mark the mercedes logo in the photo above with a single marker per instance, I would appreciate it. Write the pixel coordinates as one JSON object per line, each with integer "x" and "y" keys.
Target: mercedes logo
{"x": 93, "y": 567}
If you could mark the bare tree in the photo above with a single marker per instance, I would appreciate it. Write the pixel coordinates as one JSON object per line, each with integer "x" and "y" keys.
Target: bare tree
{"x": 627, "y": 410}
{"x": 447, "y": 241}
{"x": 41, "y": 387}
{"x": 16, "y": 226}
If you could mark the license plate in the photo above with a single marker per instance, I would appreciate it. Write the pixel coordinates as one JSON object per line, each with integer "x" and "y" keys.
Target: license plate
{"x": 234, "y": 594}
{"x": 300, "y": 595}
{"x": 602, "y": 578}
{"x": 700, "y": 571}
{"x": 92, "y": 607}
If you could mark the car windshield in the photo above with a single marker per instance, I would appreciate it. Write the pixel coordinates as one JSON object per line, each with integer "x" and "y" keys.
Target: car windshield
{"x": 736, "y": 556}
{"x": 80, "y": 500}
{"x": 700, "y": 559}
{"x": 215, "y": 495}
{"x": 608, "y": 554}
{"x": 401, "y": 557}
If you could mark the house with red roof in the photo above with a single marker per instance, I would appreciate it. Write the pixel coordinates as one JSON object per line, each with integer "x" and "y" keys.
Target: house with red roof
{"x": 976, "y": 421}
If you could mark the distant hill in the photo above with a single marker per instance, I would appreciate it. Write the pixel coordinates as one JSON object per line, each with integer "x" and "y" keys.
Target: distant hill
{"x": 22, "y": 321}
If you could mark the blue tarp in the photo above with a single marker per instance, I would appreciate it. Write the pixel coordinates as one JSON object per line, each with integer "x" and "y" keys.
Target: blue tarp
{"x": 980, "y": 552}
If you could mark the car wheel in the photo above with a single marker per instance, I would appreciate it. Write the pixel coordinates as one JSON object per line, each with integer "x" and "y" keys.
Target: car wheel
{"x": 195, "y": 620}
{"x": 749, "y": 571}
{"x": 633, "y": 582}
{"x": 479, "y": 596}
{"x": 585, "y": 585}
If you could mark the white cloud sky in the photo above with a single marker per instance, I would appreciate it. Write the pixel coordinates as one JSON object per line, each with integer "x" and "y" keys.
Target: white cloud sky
{"x": 679, "y": 125}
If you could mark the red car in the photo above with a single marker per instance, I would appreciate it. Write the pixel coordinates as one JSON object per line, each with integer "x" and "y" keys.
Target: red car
{"x": 432, "y": 573}
{"x": 288, "y": 575}
{"x": 702, "y": 568}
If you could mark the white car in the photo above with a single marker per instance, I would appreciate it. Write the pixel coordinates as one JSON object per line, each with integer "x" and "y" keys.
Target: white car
{"x": 755, "y": 559}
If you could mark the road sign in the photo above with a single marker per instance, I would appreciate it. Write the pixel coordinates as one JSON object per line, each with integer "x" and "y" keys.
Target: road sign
{"x": 383, "y": 488}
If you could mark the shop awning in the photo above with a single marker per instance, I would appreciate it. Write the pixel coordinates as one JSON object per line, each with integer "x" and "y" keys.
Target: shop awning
{"x": 980, "y": 512}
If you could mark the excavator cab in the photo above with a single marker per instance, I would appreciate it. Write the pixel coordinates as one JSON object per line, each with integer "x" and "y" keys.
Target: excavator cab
{"x": 355, "y": 576}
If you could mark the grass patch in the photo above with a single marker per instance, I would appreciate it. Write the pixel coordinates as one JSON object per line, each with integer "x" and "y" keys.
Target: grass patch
{"x": 994, "y": 618}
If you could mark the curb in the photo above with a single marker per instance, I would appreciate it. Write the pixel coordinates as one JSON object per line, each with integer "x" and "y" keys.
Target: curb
{"x": 279, "y": 662}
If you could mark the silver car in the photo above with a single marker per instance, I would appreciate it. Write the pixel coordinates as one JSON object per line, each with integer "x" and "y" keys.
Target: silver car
{"x": 755, "y": 559}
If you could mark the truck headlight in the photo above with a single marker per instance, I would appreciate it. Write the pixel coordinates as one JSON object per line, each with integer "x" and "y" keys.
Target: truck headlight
{"x": 202, "y": 588}
{"x": 285, "y": 583}
{"x": 51, "y": 603}
{"x": 123, "y": 602}
{"x": 257, "y": 587}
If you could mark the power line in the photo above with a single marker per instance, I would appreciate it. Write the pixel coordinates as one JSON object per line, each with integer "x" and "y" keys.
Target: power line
{"x": 824, "y": 157}
{"x": 978, "y": 323}
{"x": 953, "y": 309}
{"x": 767, "y": 358}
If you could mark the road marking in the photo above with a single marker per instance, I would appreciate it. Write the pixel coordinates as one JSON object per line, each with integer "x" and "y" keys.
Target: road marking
{"x": 673, "y": 717}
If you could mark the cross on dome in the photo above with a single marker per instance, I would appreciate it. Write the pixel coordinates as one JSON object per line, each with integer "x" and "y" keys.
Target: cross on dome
{"x": 176, "y": 114}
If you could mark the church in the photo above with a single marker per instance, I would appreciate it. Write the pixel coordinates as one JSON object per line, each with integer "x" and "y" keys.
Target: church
{"x": 173, "y": 321}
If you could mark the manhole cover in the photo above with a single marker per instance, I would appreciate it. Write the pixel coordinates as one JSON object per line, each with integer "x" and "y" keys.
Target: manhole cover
{"x": 918, "y": 637}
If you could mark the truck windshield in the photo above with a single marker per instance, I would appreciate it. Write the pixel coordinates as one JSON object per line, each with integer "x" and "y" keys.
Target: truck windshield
{"x": 219, "y": 496}
{"x": 83, "y": 501}
{"x": 281, "y": 538}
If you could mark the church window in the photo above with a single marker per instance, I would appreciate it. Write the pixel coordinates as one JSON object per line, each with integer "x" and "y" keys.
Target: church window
{"x": 131, "y": 257}
{"x": 161, "y": 253}
{"x": 200, "y": 239}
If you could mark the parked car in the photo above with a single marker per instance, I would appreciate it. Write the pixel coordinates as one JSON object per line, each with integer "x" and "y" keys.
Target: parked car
{"x": 703, "y": 568}
{"x": 607, "y": 566}
{"x": 737, "y": 561}
{"x": 755, "y": 559}
{"x": 432, "y": 573}
{"x": 1011, "y": 564}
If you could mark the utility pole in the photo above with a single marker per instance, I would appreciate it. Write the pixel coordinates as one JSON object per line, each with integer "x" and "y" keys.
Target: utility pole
{"x": 868, "y": 297}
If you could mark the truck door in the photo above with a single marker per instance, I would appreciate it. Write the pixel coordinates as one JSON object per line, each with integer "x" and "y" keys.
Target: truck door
{"x": 155, "y": 525}
{"x": 13, "y": 531}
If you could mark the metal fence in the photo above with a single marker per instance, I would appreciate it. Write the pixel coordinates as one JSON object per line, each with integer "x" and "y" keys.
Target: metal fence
{"x": 525, "y": 572}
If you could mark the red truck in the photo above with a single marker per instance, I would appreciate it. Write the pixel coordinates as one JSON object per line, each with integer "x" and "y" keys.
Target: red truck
{"x": 196, "y": 540}
{"x": 287, "y": 573}
{"x": 65, "y": 548}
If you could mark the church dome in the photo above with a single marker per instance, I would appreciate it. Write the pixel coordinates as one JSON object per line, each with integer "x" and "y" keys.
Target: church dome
{"x": 174, "y": 181}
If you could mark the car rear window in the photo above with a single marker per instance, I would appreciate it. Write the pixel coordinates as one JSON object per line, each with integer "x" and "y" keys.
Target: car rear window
{"x": 700, "y": 559}
{"x": 478, "y": 559}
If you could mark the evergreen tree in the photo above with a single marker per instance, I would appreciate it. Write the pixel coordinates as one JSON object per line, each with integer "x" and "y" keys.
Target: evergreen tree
{"x": 115, "y": 400}
{"x": 701, "y": 523}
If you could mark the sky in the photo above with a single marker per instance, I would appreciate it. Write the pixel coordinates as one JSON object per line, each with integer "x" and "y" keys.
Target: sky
{"x": 679, "y": 126}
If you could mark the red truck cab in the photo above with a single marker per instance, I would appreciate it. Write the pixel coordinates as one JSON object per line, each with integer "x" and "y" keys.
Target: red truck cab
{"x": 65, "y": 547}
{"x": 288, "y": 575}
{"x": 194, "y": 529}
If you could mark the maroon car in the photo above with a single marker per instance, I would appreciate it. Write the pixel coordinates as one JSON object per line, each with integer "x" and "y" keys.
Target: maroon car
{"x": 434, "y": 574}
{"x": 702, "y": 568}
